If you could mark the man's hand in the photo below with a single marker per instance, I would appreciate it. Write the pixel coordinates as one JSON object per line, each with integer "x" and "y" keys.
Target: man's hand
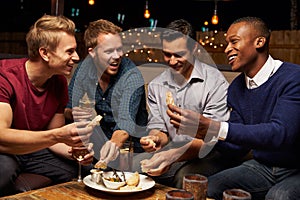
{"x": 111, "y": 149}
{"x": 188, "y": 122}
{"x": 160, "y": 162}
{"x": 150, "y": 143}
{"x": 109, "y": 152}
{"x": 75, "y": 134}
{"x": 154, "y": 141}
{"x": 119, "y": 137}
{"x": 83, "y": 114}
{"x": 88, "y": 158}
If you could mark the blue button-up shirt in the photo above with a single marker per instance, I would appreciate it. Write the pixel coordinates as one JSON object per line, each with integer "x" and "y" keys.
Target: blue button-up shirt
{"x": 122, "y": 105}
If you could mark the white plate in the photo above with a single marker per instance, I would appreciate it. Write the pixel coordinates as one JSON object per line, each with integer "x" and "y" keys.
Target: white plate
{"x": 145, "y": 183}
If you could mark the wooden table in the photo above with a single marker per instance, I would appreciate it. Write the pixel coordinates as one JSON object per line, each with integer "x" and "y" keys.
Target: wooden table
{"x": 75, "y": 190}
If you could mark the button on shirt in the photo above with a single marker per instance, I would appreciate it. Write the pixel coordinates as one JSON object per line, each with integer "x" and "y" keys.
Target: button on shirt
{"x": 268, "y": 69}
{"x": 252, "y": 84}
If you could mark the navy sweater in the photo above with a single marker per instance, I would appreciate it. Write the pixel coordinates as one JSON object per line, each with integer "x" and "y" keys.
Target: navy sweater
{"x": 266, "y": 119}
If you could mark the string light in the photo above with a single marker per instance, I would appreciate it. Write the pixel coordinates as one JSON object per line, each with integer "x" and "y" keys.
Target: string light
{"x": 147, "y": 12}
{"x": 142, "y": 44}
{"x": 215, "y": 18}
{"x": 212, "y": 39}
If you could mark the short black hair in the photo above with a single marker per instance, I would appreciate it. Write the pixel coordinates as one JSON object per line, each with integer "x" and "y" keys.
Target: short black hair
{"x": 177, "y": 29}
{"x": 258, "y": 24}
{"x": 183, "y": 26}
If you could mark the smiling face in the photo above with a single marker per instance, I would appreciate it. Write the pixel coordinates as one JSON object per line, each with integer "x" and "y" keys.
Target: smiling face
{"x": 243, "y": 47}
{"x": 178, "y": 56}
{"x": 108, "y": 53}
{"x": 64, "y": 57}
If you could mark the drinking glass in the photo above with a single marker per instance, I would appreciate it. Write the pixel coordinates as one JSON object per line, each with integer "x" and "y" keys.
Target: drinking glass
{"x": 196, "y": 184}
{"x": 78, "y": 153}
{"x": 126, "y": 155}
{"x": 236, "y": 194}
{"x": 179, "y": 195}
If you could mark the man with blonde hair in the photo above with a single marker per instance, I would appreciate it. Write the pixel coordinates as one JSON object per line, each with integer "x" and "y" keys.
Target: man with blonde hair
{"x": 33, "y": 95}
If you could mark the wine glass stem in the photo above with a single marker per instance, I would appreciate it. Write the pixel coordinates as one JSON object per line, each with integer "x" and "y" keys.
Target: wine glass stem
{"x": 79, "y": 173}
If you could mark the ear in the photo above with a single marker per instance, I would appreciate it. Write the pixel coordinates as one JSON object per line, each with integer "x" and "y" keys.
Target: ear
{"x": 260, "y": 42}
{"x": 91, "y": 52}
{"x": 44, "y": 53}
{"x": 195, "y": 48}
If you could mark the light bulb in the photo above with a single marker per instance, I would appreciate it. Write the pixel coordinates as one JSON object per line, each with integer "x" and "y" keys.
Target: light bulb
{"x": 215, "y": 18}
{"x": 146, "y": 14}
{"x": 91, "y": 2}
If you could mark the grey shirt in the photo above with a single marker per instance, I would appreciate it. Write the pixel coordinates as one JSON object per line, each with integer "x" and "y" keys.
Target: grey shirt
{"x": 205, "y": 92}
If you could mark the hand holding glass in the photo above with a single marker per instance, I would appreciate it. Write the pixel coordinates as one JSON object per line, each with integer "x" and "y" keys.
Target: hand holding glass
{"x": 78, "y": 153}
{"x": 88, "y": 105}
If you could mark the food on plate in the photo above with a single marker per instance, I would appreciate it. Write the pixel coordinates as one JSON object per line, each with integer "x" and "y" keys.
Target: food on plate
{"x": 113, "y": 183}
{"x": 169, "y": 98}
{"x": 133, "y": 180}
{"x": 130, "y": 187}
{"x": 95, "y": 121}
{"x": 113, "y": 179}
{"x": 101, "y": 165}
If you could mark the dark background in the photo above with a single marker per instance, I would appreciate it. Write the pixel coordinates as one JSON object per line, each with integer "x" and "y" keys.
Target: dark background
{"x": 18, "y": 15}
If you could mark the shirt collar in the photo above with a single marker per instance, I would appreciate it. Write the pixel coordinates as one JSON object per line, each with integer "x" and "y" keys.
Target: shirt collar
{"x": 197, "y": 75}
{"x": 268, "y": 69}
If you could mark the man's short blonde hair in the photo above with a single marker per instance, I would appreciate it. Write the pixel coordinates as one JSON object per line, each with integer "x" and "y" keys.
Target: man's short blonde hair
{"x": 46, "y": 33}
